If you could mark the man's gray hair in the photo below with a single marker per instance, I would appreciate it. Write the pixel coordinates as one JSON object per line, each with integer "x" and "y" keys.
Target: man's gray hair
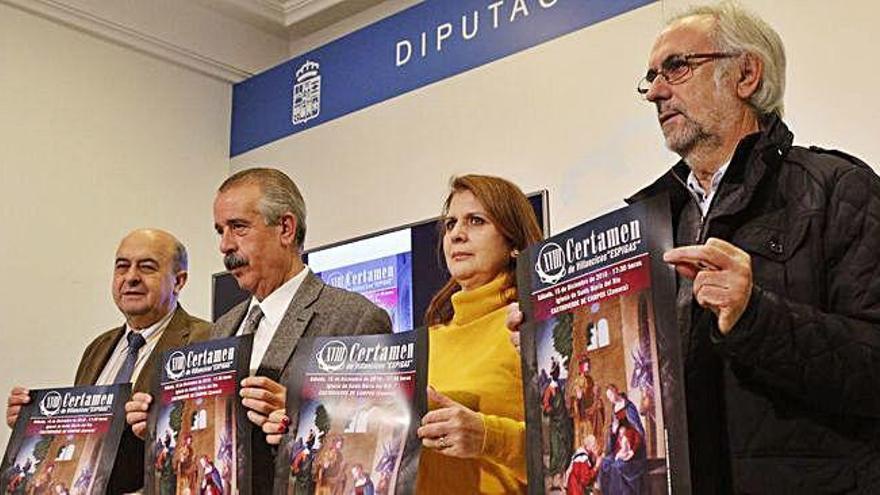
{"x": 180, "y": 261}
{"x": 738, "y": 30}
{"x": 278, "y": 195}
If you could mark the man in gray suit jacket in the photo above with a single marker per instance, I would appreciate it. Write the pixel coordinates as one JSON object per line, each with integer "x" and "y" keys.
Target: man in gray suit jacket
{"x": 259, "y": 215}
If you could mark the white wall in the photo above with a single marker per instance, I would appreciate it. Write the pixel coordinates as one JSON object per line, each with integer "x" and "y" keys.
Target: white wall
{"x": 300, "y": 42}
{"x": 563, "y": 116}
{"x": 95, "y": 140}
{"x": 226, "y": 38}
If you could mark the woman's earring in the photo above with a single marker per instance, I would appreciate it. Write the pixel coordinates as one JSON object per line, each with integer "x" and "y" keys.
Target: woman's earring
{"x": 514, "y": 253}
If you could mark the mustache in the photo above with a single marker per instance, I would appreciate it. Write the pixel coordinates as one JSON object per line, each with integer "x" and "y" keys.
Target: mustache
{"x": 232, "y": 261}
{"x": 662, "y": 107}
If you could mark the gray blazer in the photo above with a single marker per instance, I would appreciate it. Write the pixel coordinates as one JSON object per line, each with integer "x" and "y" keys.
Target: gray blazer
{"x": 317, "y": 309}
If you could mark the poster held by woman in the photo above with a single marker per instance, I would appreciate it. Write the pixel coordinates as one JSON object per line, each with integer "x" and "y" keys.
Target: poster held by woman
{"x": 602, "y": 369}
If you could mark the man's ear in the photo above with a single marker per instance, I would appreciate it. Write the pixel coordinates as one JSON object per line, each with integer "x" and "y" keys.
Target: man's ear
{"x": 179, "y": 281}
{"x": 287, "y": 222}
{"x": 751, "y": 73}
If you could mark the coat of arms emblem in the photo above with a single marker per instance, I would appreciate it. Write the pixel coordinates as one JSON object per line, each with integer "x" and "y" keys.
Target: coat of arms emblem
{"x": 307, "y": 93}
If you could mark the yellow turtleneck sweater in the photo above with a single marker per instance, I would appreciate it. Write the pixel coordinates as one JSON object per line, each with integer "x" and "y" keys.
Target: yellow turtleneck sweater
{"x": 473, "y": 362}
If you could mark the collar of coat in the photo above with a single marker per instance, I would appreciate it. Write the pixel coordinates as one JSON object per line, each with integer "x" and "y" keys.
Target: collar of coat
{"x": 756, "y": 157}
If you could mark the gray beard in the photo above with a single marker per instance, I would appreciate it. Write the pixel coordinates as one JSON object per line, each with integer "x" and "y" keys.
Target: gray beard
{"x": 683, "y": 141}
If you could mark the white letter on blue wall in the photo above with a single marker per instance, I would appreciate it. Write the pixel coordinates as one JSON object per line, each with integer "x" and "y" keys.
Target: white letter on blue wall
{"x": 444, "y": 31}
{"x": 403, "y": 44}
{"x": 519, "y": 6}
{"x": 494, "y": 9}
{"x": 464, "y": 23}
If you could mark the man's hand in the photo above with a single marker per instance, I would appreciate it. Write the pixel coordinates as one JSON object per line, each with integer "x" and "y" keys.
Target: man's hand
{"x": 262, "y": 396}
{"x": 722, "y": 275}
{"x": 452, "y": 428}
{"x": 136, "y": 413}
{"x": 18, "y": 397}
{"x": 513, "y": 321}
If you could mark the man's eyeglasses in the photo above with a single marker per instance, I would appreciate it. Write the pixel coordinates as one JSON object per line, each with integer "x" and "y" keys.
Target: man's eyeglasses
{"x": 677, "y": 69}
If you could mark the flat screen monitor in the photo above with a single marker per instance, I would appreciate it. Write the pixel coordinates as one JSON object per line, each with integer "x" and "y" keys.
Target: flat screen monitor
{"x": 399, "y": 269}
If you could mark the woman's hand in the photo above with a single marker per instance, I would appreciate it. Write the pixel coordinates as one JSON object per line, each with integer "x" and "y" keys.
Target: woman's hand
{"x": 262, "y": 396}
{"x": 452, "y": 428}
{"x": 18, "y": 398}
{"x": 513, "y": 321}
{"x": 275, "y": 426}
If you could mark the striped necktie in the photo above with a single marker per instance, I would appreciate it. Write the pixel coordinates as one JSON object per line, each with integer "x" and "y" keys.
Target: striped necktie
{"x": 135, "y": 342}
{"x": 253, "y": 320}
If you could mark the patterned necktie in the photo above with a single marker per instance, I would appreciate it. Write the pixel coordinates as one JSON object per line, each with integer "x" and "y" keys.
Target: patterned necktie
{"x": 135, "y": 342}
{"x": 253, "y": 320}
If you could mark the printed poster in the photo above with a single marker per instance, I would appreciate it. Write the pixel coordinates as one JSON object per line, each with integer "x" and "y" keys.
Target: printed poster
{"x": 198, "y": 437}
{"x": 65, "y": 441}
{"x": 356, "y": 403}
{"x": 386, "y": 282}
{"x": 602, "y": 367}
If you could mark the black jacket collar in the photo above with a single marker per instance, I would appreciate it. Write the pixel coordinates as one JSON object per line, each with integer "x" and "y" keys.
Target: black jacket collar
{"x": 755, "y": 155}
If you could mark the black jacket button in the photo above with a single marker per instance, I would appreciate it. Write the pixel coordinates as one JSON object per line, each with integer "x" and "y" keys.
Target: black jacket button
{"x": 775, "y": 246}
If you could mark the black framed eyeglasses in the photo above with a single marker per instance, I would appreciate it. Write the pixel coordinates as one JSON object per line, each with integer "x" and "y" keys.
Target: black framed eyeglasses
{"x": 678, "y": 68}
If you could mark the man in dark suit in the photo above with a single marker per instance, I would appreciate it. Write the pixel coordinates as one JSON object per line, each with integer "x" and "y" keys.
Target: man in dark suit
{"x": 259, "y": 215}
{"x": 149, "y": 272}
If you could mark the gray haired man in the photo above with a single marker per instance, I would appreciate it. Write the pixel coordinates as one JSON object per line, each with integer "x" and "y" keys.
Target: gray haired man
{"x": 260, "y": 217}
{"x": 779, "y": 249}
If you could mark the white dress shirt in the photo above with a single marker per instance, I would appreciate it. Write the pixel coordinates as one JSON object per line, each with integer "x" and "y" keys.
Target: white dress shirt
{"x": 274, "y": 306}
{"x": 704, "y": 199}
{"x": 151, "y": 334}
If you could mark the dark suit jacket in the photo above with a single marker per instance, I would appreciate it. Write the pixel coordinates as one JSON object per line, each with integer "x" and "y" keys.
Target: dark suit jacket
{"x": 128, "y": 471}
{"x": 317, "y": 309}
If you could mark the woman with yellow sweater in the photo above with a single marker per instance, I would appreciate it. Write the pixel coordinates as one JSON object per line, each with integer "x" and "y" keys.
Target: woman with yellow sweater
{"x": 474, "y": 434}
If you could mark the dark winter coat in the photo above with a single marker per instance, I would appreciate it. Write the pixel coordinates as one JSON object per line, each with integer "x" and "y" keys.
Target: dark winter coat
{"x": 789, "y": 400}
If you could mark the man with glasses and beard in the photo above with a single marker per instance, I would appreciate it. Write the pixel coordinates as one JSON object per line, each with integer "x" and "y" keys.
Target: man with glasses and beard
{"x": 778, "y": 286}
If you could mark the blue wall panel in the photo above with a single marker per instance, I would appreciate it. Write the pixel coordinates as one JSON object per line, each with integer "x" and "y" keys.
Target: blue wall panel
{"x": 426, "y": 43}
